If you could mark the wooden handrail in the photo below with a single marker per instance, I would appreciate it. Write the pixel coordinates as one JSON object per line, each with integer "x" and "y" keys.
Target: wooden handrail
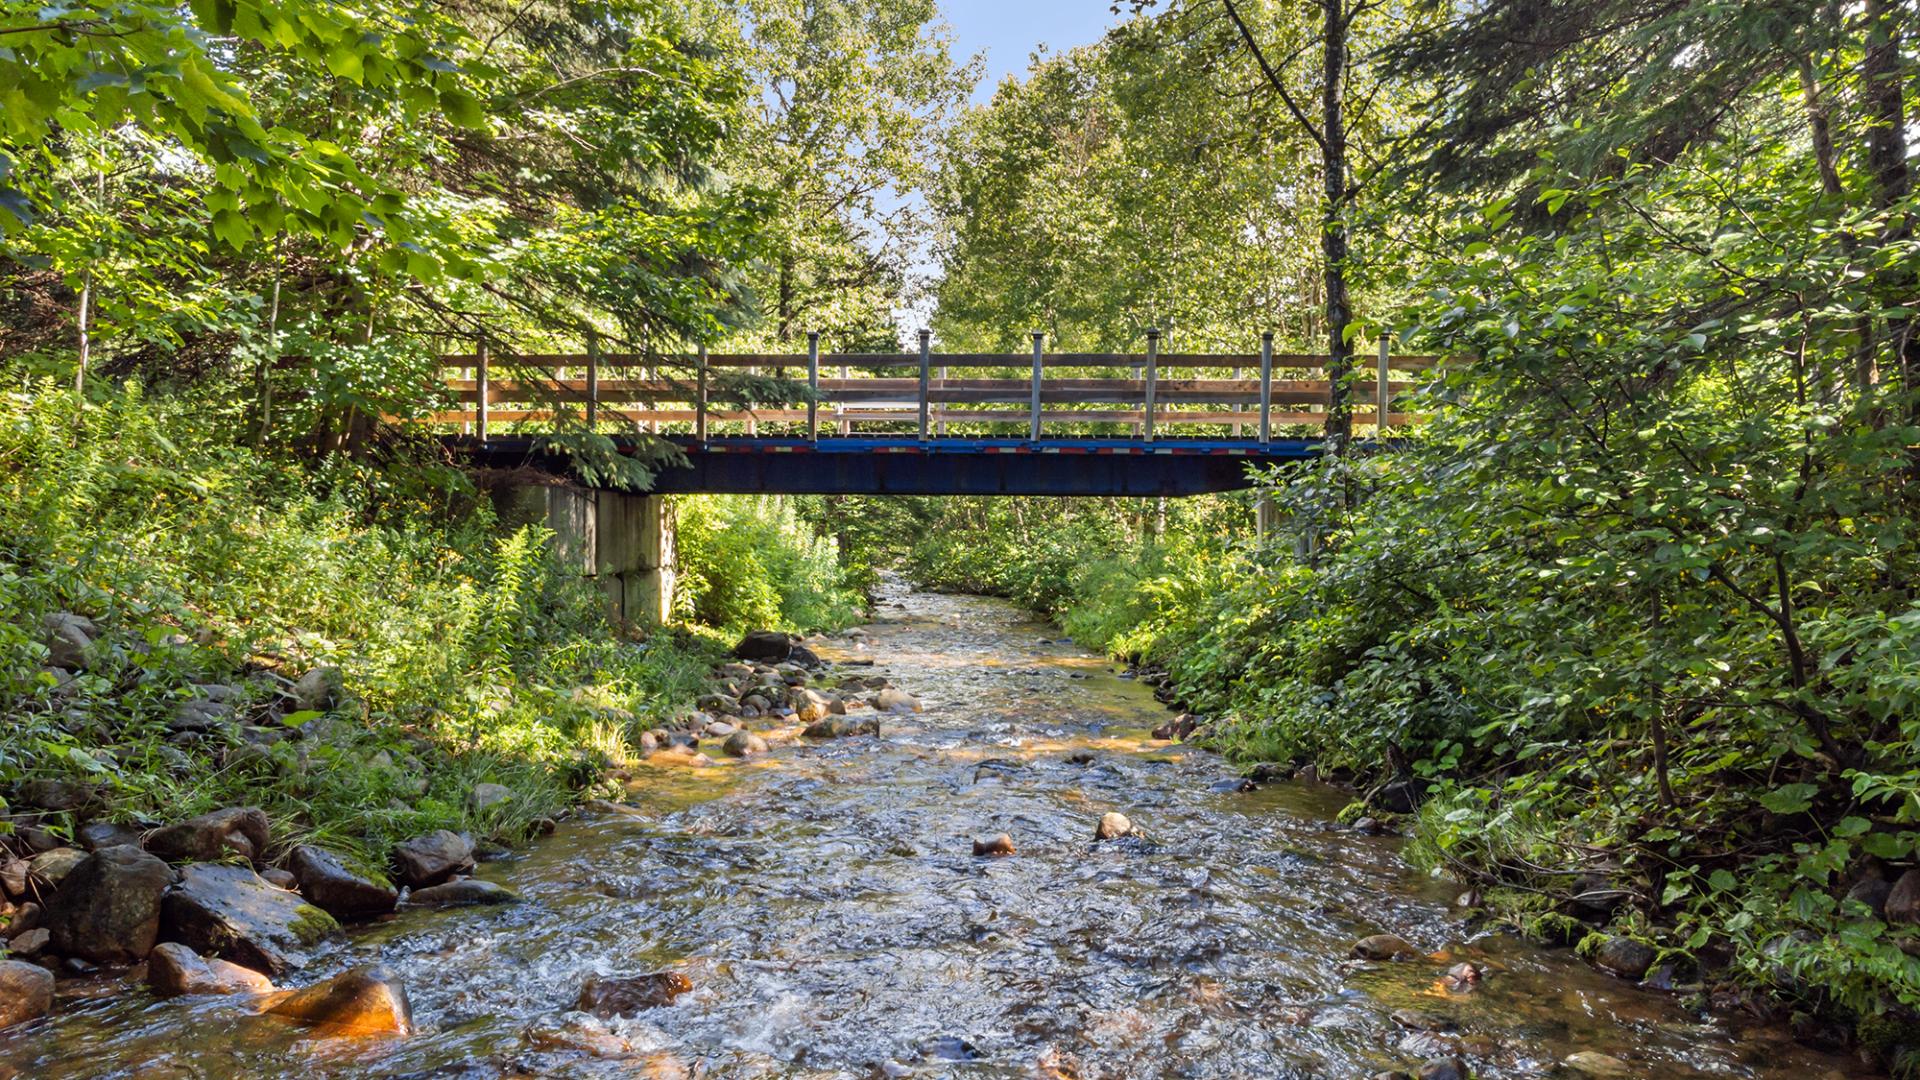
{"x": 631, "y": 388}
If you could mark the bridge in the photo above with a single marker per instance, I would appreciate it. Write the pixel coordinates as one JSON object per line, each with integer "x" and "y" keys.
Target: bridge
{"x": 1108, "y": 424}
{"x": 1102, "y": 424}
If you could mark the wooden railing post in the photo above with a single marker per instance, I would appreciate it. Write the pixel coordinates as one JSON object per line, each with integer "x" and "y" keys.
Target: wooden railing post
{"x": 700, "y": 396}
{"x": 1033, "y": 413}
{"x": 483, "y": 395}
{"x": 940, "y": 426}
{"x": 593, "y": 378}
{"x": 926, "y": 374}
{"x": 813, "y": 385}
{"x": 1153, "y": 373}
{"x": 1266, "y": 387}
{"x": 1383, "y": 398}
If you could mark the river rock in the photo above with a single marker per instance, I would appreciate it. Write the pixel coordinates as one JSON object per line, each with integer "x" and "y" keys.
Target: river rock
{"x": 838, "y": 727}
{"x": 735, "y": 672}
{"x": 1420, "y": 1020}
{"x": 720, "y": 729}
{"x": 280, "y": 879}
{"x": 317, "y": 690}
{"x": 328, "y": 885}
{"x": 810, "y": 705}
{"x": 1445, "y": 1069}
{"x": 1464, "y": 977}
{"x": 805, "y": 657}
{"x": 1598, "y": 1066}
{"x": 607, "y": 997}
{"x": 52, "y": 867}
{"x": 433, "y": 858}
{"x": 238, "y": 831}
{"x": 768, "y": 645}
{"x": 228, "y": 911}
{"x": 68, "y": 638}
{"x": 58, "y": 795}
{"x": 200, "y": 716}
{"x": 744, "y": 744}
{"x": 1874, "y": 893}
{"x": 26, "y": 992}
{"x": 894, "y": 701}
{"x": 1383, "y": 947}
{"x": 1625, "y": 957}
{"x": 29, "y": 942}
{"x": 1113, "y": 825}
{"x": 366, "y": 1000}
{"x": 1903, "y": 900}
{"x": 108, "y": 908}
{"x": 485, "y": 797}
{"x": 25, "y": 917}
{"x": 723, "y": 704}
{"x": 461, "y": 892}
{"x": 994, "y": 845}
{"x": 105, "y": 834}
{"x": 13, "y": 877}
{"x": 174, "y": 970}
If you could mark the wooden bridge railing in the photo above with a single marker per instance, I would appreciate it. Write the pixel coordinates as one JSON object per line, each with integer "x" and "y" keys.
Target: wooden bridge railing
{"x": 1254, "y": 392}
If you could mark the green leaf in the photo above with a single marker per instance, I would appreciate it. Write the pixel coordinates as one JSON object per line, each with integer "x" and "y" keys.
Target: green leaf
{"x": 1790, "y": 799}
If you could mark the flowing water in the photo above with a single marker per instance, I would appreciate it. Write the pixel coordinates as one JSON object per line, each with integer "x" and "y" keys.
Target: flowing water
{"x": 826, "y": 904}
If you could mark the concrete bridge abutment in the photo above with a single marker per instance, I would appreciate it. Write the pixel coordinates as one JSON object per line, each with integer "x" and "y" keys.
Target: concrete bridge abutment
{"x": 624, "y": 542}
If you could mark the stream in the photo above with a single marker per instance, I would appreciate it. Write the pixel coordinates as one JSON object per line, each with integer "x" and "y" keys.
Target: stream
{"x": 826, "y": 905}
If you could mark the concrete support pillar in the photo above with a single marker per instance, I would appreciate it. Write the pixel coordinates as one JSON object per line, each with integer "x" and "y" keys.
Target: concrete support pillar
{"x": 623, "y": 541}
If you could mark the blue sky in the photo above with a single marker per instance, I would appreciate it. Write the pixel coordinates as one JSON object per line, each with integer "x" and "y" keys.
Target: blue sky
{"x": 1008, "y": 31}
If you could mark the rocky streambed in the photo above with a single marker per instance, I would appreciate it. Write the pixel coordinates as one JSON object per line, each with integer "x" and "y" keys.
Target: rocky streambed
{"x": 953, "y": 847}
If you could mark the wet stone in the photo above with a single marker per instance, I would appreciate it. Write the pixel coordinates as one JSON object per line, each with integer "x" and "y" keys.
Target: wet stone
{"x": 1420, "y": 1020}
{"x": 1625, "y": 957}
{"x": 26, "y": 992}
{"x": 105, "y": 834}
{"x": 1598, "y": 1066}
{"x": 364, "y": 1001}
{"x": 1451, "y": 1068}
{"x": 610, "y": 996}
{"x": 173, "y": 970}
{"x": 744, "y": 744}
{"x": 465, "y": 891}
{"x": 433, "y": 858}
{"x": 108, "y": 908}
{"x": 1113, "y": 825}
{"x": 1001, "y": 844}
{"x": 327, "y": 884}
{"x": 1384, "y": 947}
{"x": 229, "y": 912}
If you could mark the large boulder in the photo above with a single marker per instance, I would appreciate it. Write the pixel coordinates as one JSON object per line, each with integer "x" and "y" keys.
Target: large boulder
{"x": 770, "y": 646}
{"x": 108, "y": 908}
{"x": 239, "y": 830}
{"x": 363, "y": 1001}
{"x": 229, "y": 912}
{"x": 328, "y": 885}
{"x": 433, "y": 858}
{"x": 173, "y": 970}
{"x": 26, "y": 992}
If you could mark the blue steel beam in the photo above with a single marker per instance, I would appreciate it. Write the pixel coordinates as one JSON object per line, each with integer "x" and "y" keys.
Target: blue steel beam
{"x": 882, "y": 466}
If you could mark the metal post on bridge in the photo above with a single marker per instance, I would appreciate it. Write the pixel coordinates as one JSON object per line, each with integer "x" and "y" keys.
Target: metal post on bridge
{"x": 700, "y": 396}
{"x": 480, "y": 403}
{"x": 1033, "y": 414}
{"x": 1382, "y": 396}
{"x": 1153, "y": 373}
{"x": 593, "y": 378}
{"x": 813, "y": 385}
{"x": 1266, "y": 387}
{"x": 926, "y": 373}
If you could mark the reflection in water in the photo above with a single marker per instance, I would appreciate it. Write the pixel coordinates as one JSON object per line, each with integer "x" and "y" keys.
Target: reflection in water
{"x": 826, "y": 904}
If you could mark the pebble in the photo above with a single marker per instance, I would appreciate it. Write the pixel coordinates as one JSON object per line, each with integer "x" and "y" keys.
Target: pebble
{"x": 994, "y": 845}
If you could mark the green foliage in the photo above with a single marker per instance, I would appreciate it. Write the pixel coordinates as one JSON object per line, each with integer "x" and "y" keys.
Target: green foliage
{"x": 750, "y": 562}
{"x": 466, "y": 658}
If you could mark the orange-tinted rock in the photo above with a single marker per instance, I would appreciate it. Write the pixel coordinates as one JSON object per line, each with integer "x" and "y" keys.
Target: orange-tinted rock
{"x": 26, "y": 992}
{"x": 364, "y": 1001}
{"x": 994, "y": 845}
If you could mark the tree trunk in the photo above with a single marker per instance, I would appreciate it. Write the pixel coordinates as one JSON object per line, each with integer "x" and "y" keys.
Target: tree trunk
{"x": 1881, "y": 86}
{"x": 1333, "y": 225}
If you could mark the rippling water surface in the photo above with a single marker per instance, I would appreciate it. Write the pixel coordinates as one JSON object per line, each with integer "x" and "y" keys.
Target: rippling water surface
{"x": 827, "y": 906}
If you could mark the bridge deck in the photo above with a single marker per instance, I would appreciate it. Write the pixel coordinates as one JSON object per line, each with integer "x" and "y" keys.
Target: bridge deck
{"x": 894, "y": 466}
